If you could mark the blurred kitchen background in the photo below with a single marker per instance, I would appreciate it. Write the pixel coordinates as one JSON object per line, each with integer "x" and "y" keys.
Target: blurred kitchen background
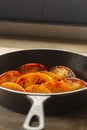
{"x": 60, "y": 24}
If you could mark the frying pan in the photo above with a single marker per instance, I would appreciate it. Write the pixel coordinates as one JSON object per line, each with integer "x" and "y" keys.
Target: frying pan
{"x": 48, "y": 57}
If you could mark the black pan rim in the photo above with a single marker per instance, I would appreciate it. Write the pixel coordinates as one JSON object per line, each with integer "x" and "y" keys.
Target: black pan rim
{"x": 46, "y": 49}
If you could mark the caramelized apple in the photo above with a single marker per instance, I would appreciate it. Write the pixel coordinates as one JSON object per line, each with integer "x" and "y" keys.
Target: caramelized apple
{"x": 35, "y": 88}
{"x": 13, "y": 86}
{"x": 33, "y": 78}
{"x": 62, "y": 72}
{"x": 76, "y": 83}
{"x": 51, "y": 74}
{"x": 31, "y": 67}
{"x": 9, "y": 76}
{"x": 57, "y": 86}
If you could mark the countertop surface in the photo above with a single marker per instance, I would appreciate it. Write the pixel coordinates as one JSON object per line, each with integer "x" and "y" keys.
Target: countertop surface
{"x": 35, "y": 42}
{"x": 10, "y": 120}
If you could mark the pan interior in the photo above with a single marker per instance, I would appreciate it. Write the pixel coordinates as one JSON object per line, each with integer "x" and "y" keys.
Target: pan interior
{"x": 47, "y": 57}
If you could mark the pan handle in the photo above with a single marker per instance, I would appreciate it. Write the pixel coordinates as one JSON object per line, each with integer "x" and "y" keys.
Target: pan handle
{"x": 35, "y": 117}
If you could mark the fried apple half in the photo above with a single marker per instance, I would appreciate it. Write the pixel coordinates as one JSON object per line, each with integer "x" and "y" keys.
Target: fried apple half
{"x": 33, "y": 78}
{"x": 76, "y": 83}
{"x": 35, "y": 88}
{"x": 31, "y": 67}
{"x": 64, "y": 85}
{"x": 51, "y": 74}
{"x": 12, "y": 86}
{"x": 57, "y": 86}
{"x": 9, "y": 76}
{"x": 62, "y": 72}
